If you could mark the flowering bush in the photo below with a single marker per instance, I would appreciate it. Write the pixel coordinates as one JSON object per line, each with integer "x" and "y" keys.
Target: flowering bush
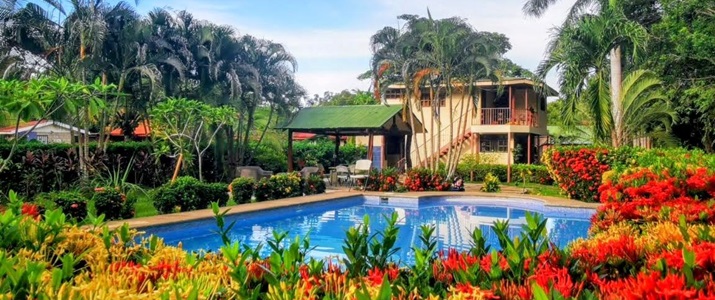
{"x": 491, "y": 184}
{"x": 279, "y": 186}
{"x": 385, "y": 180}
{"x": 313, "y": 185}
{"x": 578, "y": 171}
{"x": 425, "y": 180}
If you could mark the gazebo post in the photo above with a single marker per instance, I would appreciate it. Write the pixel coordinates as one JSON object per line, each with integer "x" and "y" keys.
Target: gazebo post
{"x": 408, "y": 152}
{"x": 508, "y": 157}
{"x": 369, "y": 145}
{"x": 290, "y": 150}
{"x": 337, "y": 149}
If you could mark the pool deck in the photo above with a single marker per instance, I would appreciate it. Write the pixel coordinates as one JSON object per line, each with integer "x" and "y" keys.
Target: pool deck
{"x": 338, "y": 194}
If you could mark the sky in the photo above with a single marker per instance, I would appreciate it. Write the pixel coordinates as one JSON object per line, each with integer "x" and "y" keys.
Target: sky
{"x": 330, "y": 38}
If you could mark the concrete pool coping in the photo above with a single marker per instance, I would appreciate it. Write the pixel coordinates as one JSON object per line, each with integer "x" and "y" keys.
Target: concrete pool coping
{"x": 166, "y": 219}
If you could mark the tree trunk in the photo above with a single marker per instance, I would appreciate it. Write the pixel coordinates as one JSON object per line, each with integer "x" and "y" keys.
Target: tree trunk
{"x": 616, "y": 105}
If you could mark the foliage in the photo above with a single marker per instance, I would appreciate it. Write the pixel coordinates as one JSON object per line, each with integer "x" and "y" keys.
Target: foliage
{"x": 38, "y": 167}
{"x": 113, "y": 204}
{"x": 313, "y": 185}
{"x": 425, "y": 180}
{"x": 346, "y": 97}
{"x": 384, "y": 180}
{"x": 187, "y": 194}
{"x": 73, "y": 204}
{"x": 242, "y": 189}
{"x": 477, "y": 172}
{"x": 681, "y": 55}
{"x": 321, "y": 151}
{"x": 491, "y": 184}
{"x": 279, "y": 186}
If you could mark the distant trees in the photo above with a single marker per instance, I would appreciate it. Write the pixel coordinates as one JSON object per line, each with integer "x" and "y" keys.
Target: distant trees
{"x": 150, "y": 58}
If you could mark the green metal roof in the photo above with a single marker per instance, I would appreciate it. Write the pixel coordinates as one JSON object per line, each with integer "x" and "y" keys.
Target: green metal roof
{"x": 352, "y": 117}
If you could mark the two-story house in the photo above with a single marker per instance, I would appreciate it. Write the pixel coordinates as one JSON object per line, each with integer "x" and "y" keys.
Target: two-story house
{"x": 500, "y": 121}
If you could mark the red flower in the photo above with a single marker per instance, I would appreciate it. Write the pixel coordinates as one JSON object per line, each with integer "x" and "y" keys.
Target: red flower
{"x": 30, "y": 210}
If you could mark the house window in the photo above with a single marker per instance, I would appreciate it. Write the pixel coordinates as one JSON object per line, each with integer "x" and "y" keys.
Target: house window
{"x": 493, "y": 143}
{"x": 542, "y": 101}
{"x": 426, "y": 100}
{"x": 393, "y": 94}
{"x": 42, "y": 138}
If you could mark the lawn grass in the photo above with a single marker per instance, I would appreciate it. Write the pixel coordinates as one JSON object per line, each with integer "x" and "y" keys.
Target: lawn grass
{"x": 144, "y": 207}
{"x": 540, "y": 189}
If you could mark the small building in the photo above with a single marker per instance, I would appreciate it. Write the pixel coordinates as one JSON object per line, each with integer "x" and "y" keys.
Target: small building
{"x": 141, "y": 132}
{"x": 44, "y": 131}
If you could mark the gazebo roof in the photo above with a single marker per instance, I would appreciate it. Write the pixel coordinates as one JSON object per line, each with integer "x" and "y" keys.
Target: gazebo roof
{"x": 348, "y": 120}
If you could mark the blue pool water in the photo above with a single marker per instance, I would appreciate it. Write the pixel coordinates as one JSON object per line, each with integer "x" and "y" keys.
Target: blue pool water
{"x": 326, "y": 223}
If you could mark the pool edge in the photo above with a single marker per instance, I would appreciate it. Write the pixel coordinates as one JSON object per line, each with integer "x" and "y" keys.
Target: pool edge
{"x": 168, "y": 219}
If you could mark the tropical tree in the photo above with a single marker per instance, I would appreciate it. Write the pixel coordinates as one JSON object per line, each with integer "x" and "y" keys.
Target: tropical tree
{"x": 190, "y": 127}
{"x": 587, "y": 54}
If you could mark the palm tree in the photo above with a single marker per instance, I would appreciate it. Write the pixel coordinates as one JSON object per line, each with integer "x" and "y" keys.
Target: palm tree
{"x": 646, "y": 110}
{"x": 588, "y": 55}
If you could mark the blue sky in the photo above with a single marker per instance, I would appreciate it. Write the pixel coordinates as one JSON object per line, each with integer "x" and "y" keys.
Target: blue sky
{"x": 330, "y": 38}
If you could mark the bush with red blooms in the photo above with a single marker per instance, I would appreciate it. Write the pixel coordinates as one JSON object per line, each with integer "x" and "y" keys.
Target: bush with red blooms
{"x": 645, "y": 195}
{"x": 578, "y": 171}
{"x": 420, "y": 180}
{"x": 385, "y": 180}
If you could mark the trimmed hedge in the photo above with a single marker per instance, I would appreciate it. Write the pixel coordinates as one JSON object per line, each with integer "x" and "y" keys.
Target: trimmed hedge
{"x": 242, "y": 189}
{"x": 477, "y": 173}
{"x": 187, "y": 194}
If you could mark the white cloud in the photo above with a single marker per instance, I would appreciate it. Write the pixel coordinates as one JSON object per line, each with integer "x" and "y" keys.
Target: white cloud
{"x": 312, "y": 48}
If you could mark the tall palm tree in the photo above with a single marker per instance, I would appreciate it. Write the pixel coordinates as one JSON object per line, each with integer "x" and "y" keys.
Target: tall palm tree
{"x": 587, "y": 53}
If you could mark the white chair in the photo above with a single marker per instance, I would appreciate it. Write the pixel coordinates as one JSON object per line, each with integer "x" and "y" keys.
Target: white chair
{"x": 362, "y": 171}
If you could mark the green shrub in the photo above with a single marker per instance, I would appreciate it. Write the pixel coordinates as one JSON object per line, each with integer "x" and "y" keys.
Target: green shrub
{"x": 73, "y": 204}
{"x": 264, "y": 190}
{"x": 113, "y": 204}
{"x": 212, "y": 192}
{"x": 242, "y": 189}
{"x": 533, "y": 173}
{"x": 491, "y": 184}
{"x": 314, "y": 185}
{"x": 187, "y": 194}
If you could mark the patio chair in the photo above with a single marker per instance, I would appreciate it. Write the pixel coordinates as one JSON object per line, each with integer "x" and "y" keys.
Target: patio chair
{"x": 325, "y": 176}
{"x": 362, "y": 171}
{"x": 254, "y": 172}
{"x": 343, "y": 173}
{"x": 307, "y": 171}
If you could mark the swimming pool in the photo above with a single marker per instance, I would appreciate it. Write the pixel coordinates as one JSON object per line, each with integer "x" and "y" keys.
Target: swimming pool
{"x": 326, "y": 222}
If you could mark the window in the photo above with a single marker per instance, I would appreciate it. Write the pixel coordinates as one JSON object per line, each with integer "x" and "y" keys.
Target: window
{"x": 427, "y": 102}
{"x": 493, "y": 143}
{"x": 542, "y": 102}
{"x": 393, "y": 94}
{"x": 42, "y": 138}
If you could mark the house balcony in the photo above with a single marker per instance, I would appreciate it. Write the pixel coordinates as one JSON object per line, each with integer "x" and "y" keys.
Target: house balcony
{"x": 504, "y": 119}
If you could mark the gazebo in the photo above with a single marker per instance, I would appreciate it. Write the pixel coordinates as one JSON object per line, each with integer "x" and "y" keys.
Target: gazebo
{"x": 354, "y": 120}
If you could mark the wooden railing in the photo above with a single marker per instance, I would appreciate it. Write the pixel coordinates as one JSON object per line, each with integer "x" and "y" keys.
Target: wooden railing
{"x": 506, "y": 116}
